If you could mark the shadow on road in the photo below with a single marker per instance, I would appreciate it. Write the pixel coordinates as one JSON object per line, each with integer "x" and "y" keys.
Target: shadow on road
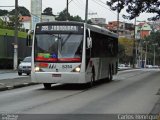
{"x": 77, "y": 86}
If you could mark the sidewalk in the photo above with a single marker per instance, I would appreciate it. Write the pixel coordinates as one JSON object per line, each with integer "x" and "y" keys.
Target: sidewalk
{"x": 11, "y": 83}
{"x": 7, "y": 71}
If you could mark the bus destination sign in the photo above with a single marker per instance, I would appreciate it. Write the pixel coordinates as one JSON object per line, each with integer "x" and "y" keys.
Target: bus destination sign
{"x": 59, "y": 28}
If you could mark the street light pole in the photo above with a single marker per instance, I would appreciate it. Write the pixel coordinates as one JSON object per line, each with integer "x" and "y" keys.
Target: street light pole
{"x": 15, "y": 61}
{"x": 134, "y": 45}
{"x": 146, "y": 54}
{"x": 154, "y": 57}
{"x": 86, "y": 12}
{"x": 67, "y": 11}
{"x": 118, "y": 19}
{"x": 140, "y": 44}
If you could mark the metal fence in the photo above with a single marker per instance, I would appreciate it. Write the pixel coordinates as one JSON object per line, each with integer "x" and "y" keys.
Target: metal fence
{"x": 7, "y": 50}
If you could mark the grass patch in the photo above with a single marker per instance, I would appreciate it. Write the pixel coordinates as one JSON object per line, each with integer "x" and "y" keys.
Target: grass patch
{"x": 11, "y": 33}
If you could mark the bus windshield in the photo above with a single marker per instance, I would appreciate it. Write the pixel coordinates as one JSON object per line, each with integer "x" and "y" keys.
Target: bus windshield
{"x": 58, "y": 47}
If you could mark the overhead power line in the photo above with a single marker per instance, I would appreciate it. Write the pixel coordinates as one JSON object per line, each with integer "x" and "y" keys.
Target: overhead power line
{"x": 100, "y": 2}
{"x": 104, "y": 6}
{"x": 81, "y": 5}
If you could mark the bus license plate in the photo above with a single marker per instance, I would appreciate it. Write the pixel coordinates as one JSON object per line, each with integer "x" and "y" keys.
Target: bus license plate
{"x": 56, "y": 75}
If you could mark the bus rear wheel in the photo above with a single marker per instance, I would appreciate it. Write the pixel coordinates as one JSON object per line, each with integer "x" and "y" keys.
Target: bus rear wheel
{"x": 92, "y": 82}
{"x": 47, "y": 85}
{"x": 110, "y": 76}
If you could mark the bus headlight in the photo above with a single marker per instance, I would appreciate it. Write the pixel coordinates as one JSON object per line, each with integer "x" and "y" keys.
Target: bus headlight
{"x": 77, "y": 69}
{"x": 37, "y": 69}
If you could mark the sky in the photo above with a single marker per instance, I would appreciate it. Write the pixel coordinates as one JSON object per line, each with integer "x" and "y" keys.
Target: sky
{"x": 76, "y": 7}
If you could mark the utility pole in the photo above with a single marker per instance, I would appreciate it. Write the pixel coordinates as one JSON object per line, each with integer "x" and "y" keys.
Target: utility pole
{"x": 67, "y": 10}
{"x": 134, "y": 45}
{"x": 118, "y": 19}
{"x": 86, "y": 12}
{"x": 154, "y": 57}
{"x": 15, "y": 61}
{"x": 145, "y": 61}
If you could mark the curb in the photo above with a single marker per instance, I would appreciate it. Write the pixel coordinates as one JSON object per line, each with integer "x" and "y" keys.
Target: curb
{"x": 17, "y": 86}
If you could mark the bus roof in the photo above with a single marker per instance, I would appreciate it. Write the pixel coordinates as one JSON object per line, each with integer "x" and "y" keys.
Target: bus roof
{"x": 101, "y": 30}
{"x": 94, "y": 28}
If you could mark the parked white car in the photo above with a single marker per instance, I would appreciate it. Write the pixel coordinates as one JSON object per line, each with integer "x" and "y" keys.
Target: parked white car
{"x": 25, "y": 66}
{"x": 156, "y": 66}
{"x": 149, "y": 66}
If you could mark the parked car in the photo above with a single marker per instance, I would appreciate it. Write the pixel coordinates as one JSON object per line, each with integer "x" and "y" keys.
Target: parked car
{"x": 155, "y": 66}
{"x": 25, "y": 66}
{"x": 121, "y": 66}
{"x": 149, "y": 66}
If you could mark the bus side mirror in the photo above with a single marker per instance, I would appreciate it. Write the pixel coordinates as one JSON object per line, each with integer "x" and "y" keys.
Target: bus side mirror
{"x": 29, "y": 38}
{"x": 89, "y": 42}
{"x": 89, "y": 39}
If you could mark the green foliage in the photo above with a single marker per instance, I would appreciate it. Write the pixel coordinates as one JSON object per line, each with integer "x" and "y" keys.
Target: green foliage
{"x": 153, "y": 39}
{"x": 1, "y": 22}
{"x": 3, "y": 12}
{"x": 22, "y": 10}
{"x": 47, "y": 11}
{"x": 63, "y": 16}
{"x": 121, "y": 51}
{"x": 11, "y": 33}
{"x": 128, "y": 44}
{"x": 12, "y": 19}
{"x": 136, "y": 7}
{"x": 125, "y": 50}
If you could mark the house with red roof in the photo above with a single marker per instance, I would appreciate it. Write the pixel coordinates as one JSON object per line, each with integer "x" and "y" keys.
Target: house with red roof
{"x": 143, "y": 30}
{"x": 25, "y": 21}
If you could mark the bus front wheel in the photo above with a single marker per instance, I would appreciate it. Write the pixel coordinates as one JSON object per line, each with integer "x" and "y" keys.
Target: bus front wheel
{"x": 47, "y": 85}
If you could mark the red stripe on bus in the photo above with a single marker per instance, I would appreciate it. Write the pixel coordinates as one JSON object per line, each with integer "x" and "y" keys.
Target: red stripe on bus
{"x": 43, "y": 64}
{"x": 46, "y": 59}
{"x": 69, "y": 59}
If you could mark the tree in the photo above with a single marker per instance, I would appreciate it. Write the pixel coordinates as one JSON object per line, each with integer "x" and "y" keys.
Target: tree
{"x": 76, "y": 18}
{"x": 153, "y": 42}
{"x": 125, "y": 50}
{"x": 153, "y": 38}
{"x": 22, "y": 10}
{"x": 3, "y": 12}
{"x": 63, "y": 16}
{"x": 136, "y": 7}
{"x": 47, "y": 11}
{"x": 11, "y": 24}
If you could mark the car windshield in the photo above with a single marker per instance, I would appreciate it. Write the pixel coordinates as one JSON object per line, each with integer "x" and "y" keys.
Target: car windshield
{"x": 27, "y": 59}
{"x": 58, "y": 47}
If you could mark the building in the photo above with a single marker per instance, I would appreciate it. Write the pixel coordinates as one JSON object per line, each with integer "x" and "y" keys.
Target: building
{"x": 125, "y": 29}
{"x": 143, "y": 30}
{"x": 155, "y": 25}
{"x": 26, "y": 22}
{"x": 48, "y": 18}
{"x": 98, "y": 21}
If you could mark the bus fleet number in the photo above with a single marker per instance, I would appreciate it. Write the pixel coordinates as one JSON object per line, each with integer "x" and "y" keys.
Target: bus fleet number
{"x": 66, "y": 66}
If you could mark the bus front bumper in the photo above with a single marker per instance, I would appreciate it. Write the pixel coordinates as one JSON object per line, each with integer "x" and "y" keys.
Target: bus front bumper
{"x": 54, "y": 77}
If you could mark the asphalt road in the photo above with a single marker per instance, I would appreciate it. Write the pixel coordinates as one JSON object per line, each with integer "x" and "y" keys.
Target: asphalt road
{"x": 131, "y": 92}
